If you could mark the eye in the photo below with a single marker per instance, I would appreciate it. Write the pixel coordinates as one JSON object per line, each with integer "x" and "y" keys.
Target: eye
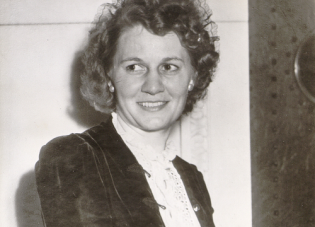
{"x": 169, "y": 68}
{"x": 135, "y": 68}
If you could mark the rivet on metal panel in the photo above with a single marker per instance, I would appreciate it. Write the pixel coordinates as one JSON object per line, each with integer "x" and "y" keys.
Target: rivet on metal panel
{"x": 274, "y": 95}
{"x": 294, "y": 39}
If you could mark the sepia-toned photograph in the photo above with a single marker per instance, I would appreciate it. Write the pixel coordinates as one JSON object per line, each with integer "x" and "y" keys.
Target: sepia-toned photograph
{"x": 191, "y": 113}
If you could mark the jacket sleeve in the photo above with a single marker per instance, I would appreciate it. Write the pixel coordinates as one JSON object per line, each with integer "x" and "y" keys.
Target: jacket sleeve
{"x": 57, "y": 173}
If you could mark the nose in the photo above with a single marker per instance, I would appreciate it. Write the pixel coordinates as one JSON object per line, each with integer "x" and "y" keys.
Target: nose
{"x": 153, "y": 83}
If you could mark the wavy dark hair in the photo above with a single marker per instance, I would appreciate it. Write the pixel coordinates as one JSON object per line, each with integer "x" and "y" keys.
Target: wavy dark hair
{"x": 189, "y": 19}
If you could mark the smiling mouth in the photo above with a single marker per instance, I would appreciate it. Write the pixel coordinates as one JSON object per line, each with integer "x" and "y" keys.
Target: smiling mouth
{"x": 152, "y": 106}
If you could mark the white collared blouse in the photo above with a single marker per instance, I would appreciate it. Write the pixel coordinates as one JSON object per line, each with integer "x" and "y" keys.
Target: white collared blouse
{"x": 165, "y": 182}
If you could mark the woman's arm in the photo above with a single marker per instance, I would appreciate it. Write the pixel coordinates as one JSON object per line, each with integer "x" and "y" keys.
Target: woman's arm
{"x": 57, "y": 175}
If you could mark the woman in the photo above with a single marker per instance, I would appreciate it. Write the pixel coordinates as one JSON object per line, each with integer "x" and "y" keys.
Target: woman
{"x": 148, "y": 61}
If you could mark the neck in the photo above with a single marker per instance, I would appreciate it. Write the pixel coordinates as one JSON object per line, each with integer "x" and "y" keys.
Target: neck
{"x": 156, "y": 139}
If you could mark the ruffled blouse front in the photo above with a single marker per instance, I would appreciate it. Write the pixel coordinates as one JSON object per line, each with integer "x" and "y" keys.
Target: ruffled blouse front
{"x": 165, "y": 182}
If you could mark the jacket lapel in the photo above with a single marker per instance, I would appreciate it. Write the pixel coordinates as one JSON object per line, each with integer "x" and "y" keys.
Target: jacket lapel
{"x": 196, "y": 191}
{"x": 117, "y": 165}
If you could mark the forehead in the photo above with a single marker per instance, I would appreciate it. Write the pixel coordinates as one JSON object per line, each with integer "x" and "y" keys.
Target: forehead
{"x": 140, "y": 43}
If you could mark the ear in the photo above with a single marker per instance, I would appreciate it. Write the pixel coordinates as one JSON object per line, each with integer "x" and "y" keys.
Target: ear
{"x": 109, "y": 73}
{"x": 191, "y": 85}
{"x": 192, "y": 81}
{"x": 111, "y": 87}
{"x": 194, "y": 77}
{"x": 109, "y": 77}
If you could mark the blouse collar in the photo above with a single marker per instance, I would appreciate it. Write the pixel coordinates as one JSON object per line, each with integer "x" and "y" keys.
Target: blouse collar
{"x": 131, "y": 138}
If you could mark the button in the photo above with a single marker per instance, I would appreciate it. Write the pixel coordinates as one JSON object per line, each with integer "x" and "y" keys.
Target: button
{"x": 196, "y": 207}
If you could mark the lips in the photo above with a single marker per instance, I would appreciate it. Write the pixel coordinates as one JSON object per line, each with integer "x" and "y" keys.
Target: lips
{"x": 153, "y": 106}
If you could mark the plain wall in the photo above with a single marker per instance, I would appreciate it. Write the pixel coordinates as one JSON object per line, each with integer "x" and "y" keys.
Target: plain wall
{"x": 38, "y": 101}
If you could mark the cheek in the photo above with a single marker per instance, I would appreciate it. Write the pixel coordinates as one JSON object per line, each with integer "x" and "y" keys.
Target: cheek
{"x": 125, "y": 87}
{"x": 179, "y": 88}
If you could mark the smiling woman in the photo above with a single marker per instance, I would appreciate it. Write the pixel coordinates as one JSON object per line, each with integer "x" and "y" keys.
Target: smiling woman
{"x": 147, "y": 63}
{"x": 151, "y": 75}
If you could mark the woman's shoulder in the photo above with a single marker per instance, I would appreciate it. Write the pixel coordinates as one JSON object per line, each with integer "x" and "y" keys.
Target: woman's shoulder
{"x": 68, "y": 146}
{"x": 59, "y": 147}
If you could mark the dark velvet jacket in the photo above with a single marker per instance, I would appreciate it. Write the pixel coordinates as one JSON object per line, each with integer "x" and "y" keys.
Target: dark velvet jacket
{"x": 93, "y": 179}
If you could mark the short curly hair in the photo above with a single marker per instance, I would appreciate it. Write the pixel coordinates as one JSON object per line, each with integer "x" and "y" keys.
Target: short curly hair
{"x": 188, "y": 19}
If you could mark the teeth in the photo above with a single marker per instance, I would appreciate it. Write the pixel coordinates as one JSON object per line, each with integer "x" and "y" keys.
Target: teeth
{"x": 151, "y": 104}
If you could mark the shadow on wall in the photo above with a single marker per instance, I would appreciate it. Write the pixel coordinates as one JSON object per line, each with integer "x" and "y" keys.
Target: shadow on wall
{"x": 27, "y": 205}
{"x": 80, "y": 110}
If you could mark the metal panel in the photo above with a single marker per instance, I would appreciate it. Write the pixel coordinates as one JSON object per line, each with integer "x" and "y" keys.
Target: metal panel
{"x": 282, "y": 118}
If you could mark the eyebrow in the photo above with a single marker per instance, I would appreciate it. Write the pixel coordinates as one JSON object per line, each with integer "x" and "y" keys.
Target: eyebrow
{"x": 131, "y": 59}
{"x": 172, "y": 58}
{"x": 163, "y": 60}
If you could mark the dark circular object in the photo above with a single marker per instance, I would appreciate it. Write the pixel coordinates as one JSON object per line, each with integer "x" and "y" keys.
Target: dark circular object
{"x": 274, "y": 95}
{"x": 304, "y": 66}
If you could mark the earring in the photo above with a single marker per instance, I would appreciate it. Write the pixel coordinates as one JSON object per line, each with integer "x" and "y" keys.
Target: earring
{"x": 191, "y": 85}
{"x": 111, "y": 87}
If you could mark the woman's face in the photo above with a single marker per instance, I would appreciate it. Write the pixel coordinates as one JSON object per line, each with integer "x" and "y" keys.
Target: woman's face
{"x": 151, "y": 75}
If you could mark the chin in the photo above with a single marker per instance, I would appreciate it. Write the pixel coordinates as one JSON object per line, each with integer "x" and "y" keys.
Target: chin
{"x": 155, "y": 125}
